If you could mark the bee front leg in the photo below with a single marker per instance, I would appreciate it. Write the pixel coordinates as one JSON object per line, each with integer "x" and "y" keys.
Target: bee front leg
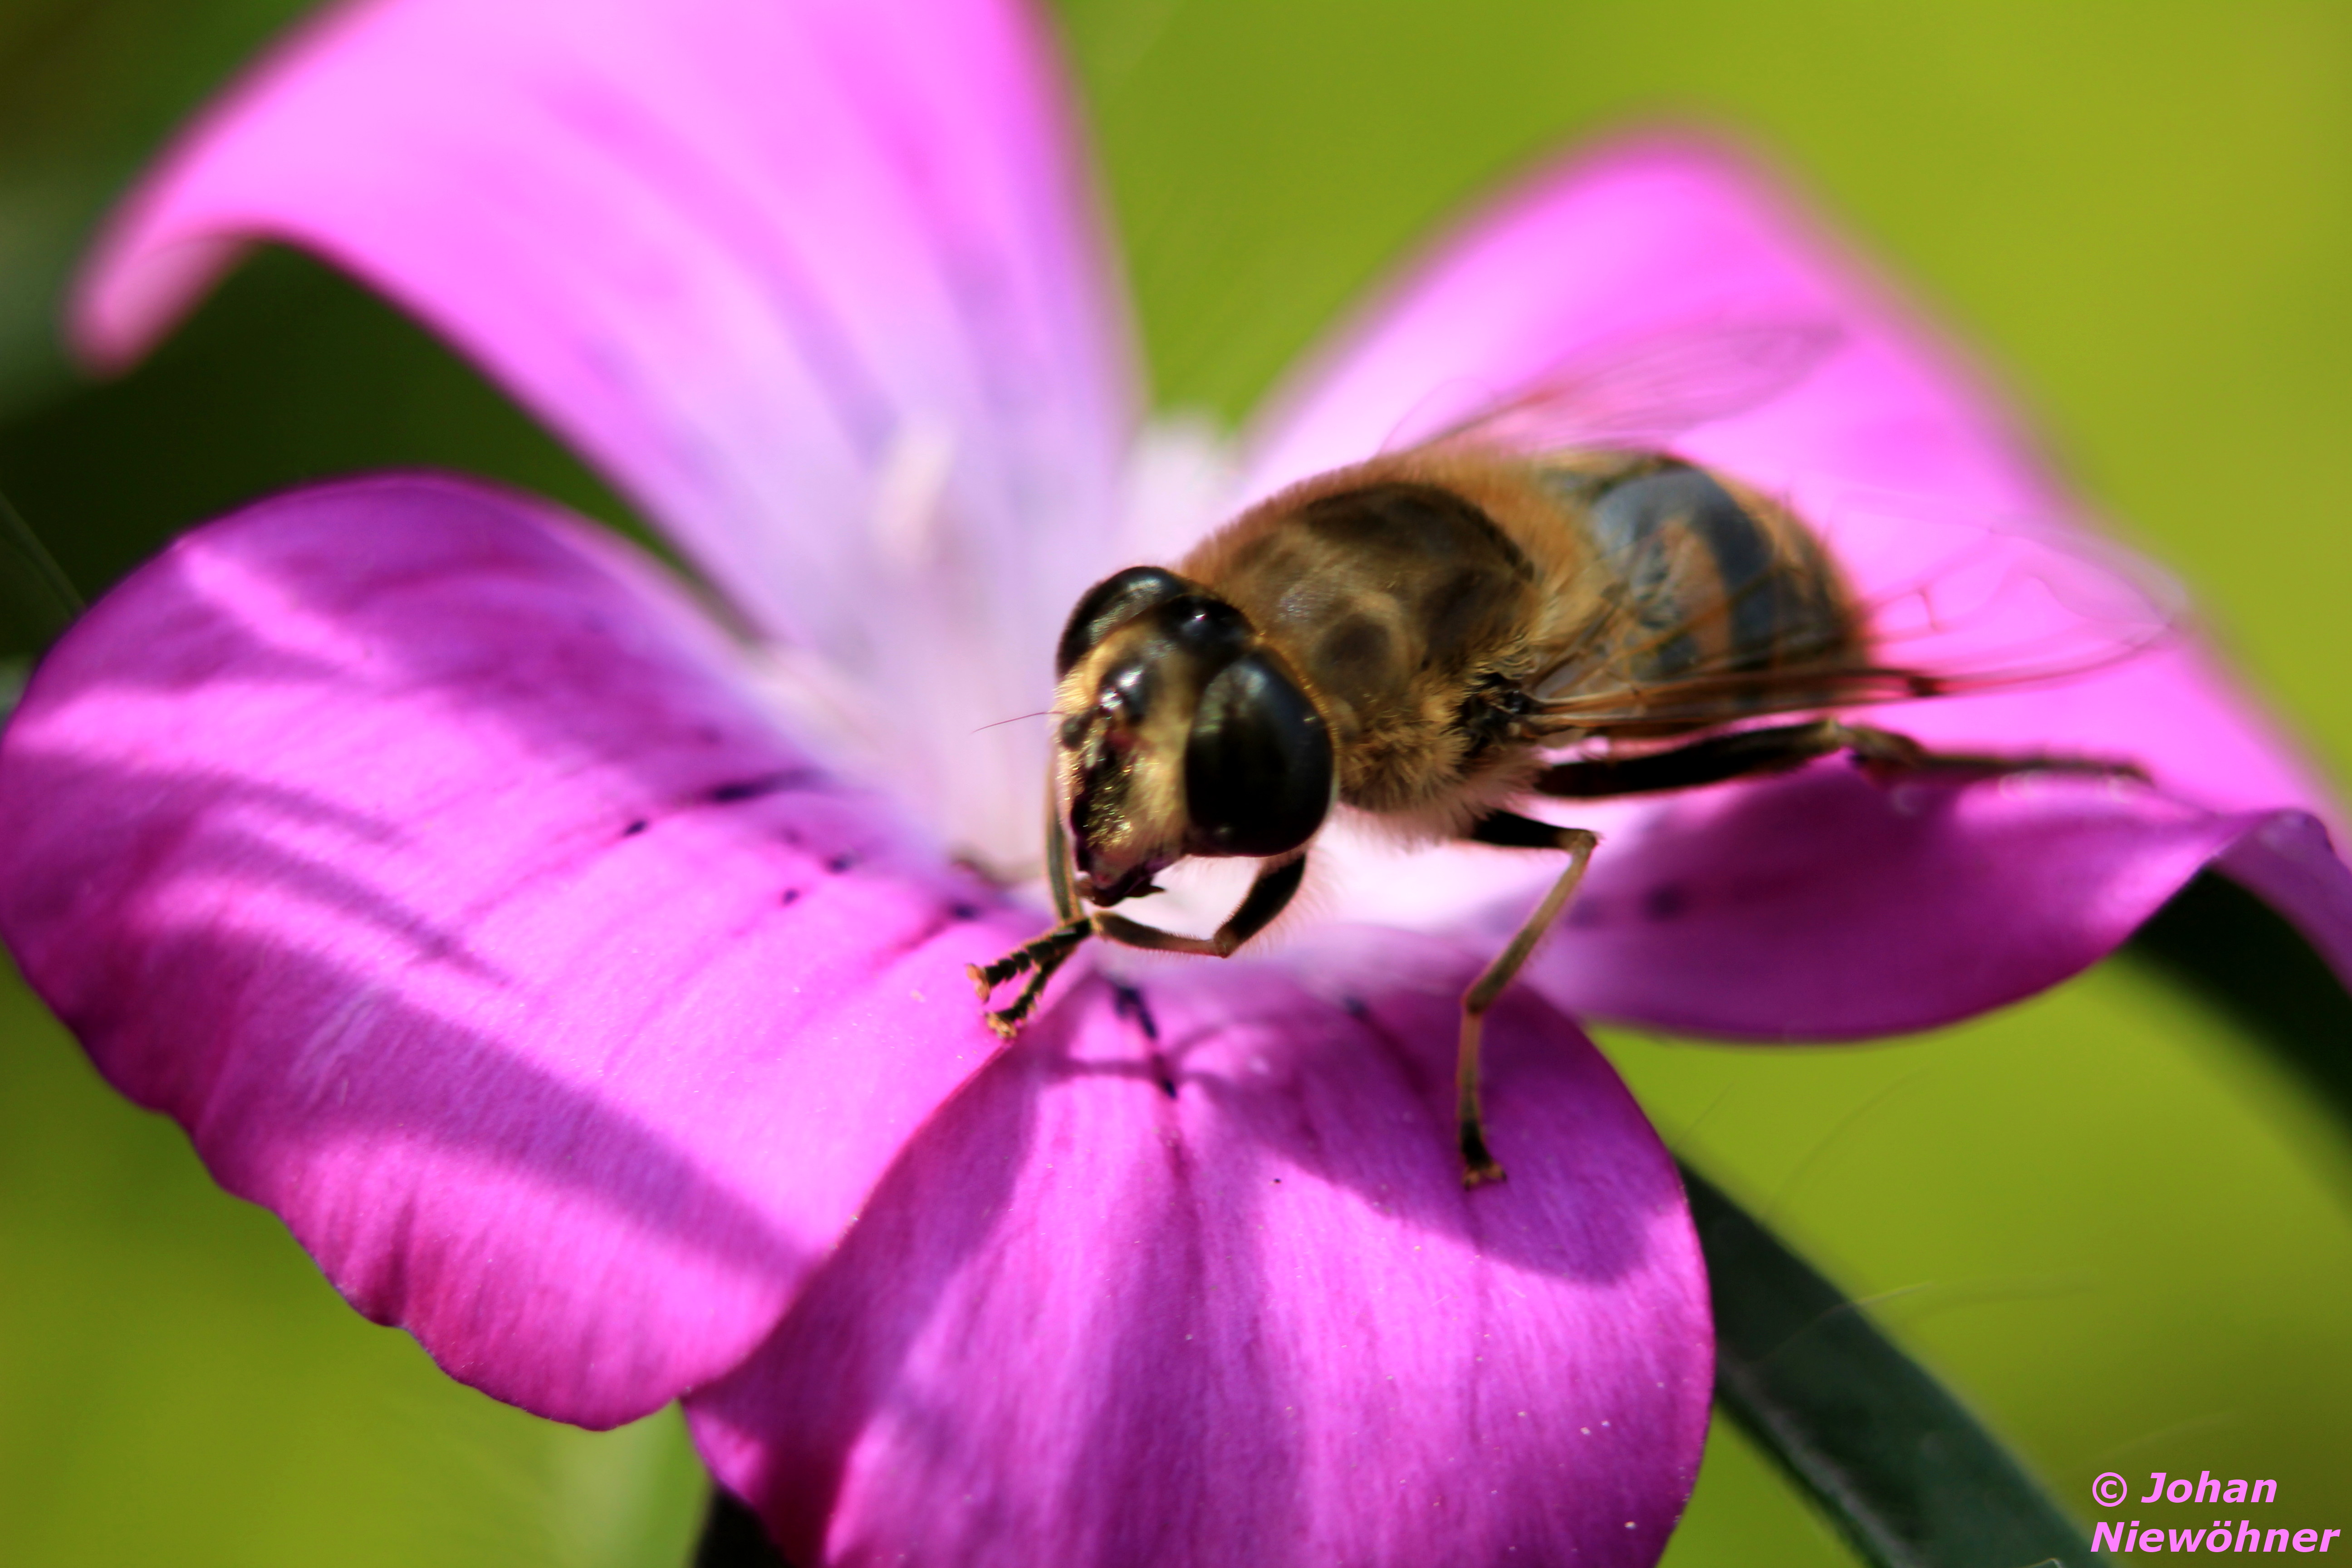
{"x": 1276, "y": 885}
{"x": 1512, "y": 832}
{"x": 1268, "y": 896}
{"x": 1040, "y": 956}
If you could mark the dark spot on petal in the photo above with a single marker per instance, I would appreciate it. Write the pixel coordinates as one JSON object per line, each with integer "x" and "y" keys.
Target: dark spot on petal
{"x": 735, "y": 790}
{"x": 1355, "y": 1006}
{"x": 841, "y": 863}
{"x": 1667, "y": 901}
{"x": 633, "y": 829}
{"x": 792, "y": 896}
{"x": 964, "y": 911}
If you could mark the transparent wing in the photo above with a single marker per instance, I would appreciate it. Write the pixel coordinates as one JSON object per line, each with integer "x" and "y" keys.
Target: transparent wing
{"x": 1969, "y": 607}
{"x": 1970, "y": 604}
{"x": 1947, "y": 601}
{"x": 1631, "y": 392}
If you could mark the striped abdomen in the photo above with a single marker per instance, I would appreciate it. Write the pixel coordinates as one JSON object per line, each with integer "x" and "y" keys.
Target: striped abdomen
{"x": 1720, "y": 599}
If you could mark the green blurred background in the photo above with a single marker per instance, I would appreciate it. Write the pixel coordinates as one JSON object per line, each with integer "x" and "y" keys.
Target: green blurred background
{"x": 2112, "y": 1225}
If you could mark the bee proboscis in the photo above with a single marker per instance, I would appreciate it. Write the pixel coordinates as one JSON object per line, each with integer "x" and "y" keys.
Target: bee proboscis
{"x": 1418, "y": 637}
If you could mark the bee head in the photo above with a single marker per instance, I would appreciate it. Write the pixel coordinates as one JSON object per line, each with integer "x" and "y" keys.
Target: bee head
{"x": 1181, "y": 732}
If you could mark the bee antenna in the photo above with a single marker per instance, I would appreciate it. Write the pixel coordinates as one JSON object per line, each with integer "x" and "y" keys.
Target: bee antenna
{"x": 1041, "y": 713}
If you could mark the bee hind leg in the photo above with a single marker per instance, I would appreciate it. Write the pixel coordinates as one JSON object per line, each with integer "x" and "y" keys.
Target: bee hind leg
{"x": 1738, "y": 754}
{"x": 1885, "y": 754}
{"x": 1511, "y": 831}
{"x": 1745, "y": 753}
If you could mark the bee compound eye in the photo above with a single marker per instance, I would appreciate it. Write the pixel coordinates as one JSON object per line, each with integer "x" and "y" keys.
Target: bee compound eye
{"x": 1258, "y": 766}
{"x": 1110, "y": 604}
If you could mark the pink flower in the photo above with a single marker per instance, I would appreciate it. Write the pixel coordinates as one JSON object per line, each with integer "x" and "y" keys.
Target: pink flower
{"x": 584, "y": 986}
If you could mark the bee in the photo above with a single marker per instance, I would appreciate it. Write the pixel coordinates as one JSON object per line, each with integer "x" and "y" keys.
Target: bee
{"x": 1418, "y": 638}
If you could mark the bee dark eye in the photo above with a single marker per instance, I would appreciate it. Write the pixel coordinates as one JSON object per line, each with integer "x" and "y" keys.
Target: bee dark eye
{"x": 1110, "y": 604}
{"x": 1257, "y": 766}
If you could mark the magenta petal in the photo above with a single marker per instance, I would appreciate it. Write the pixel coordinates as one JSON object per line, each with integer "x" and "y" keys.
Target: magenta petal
{"x": 1826, "y": 907}
{"x": 2289, "y": 863}
{"x": 416, "y": 849}
{"x": 1090, "y": 1322}
{"x": 1604, "y": 252}
{"x": 771, "y": 264}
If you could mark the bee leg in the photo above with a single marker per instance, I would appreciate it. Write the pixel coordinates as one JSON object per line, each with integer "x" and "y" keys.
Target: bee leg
{"x": 1040, "y": 957}
{"x": 1057, "y": 861}
{"x": 1883, "y": 755}
{"x": 1744, "y": 753}
{"x": 1268, "y": 896}
{"x": 1738, "y": 754}
{"x": 1044, "y": 954}
{"x": 1515, "y": 832}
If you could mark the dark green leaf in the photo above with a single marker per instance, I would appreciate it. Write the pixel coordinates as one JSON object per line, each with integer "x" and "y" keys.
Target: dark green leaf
{"x": 37, "y": 600}
{"x": 290, "y": 373}
{"x": 89, "y": 91}
{"x": 2240, "y": 956}
{"x": 733, "y": 1537}
{"x": 1896, "y": 1463}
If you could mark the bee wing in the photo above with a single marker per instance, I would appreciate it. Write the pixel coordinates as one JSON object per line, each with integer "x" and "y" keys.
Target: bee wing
{"x": 1948, "y": 605}
{"x": 1951, "y": 601}
{"x": 1979, "y": 604}
{"x": 1631, "y": 392}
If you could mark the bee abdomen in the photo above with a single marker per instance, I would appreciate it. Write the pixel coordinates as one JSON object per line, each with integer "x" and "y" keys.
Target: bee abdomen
{"x": 1710, "y": 584}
